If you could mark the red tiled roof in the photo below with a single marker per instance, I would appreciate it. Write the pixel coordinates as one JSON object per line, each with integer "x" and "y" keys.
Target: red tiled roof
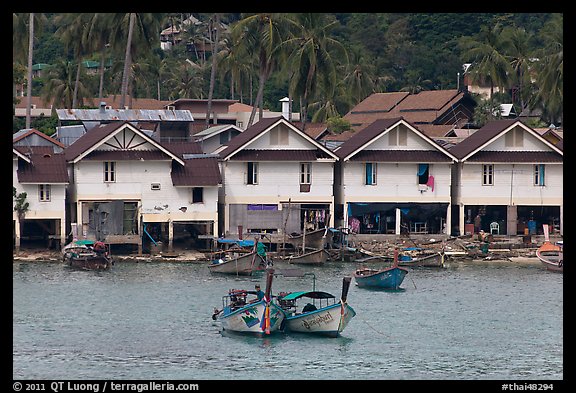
{"x": 424, "y": 107}
{"x": 43, "y": 169}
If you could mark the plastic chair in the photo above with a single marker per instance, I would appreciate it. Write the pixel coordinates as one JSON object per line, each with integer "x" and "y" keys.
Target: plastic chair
{"x": 494, "y": 226}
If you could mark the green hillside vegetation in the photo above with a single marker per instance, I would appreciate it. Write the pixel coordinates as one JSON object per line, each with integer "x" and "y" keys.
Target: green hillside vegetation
{"x": 326, "y": 63}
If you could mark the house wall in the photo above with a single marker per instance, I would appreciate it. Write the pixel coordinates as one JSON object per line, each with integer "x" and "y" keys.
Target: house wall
{"x": 513, "y": 185}
{"x": 278, "y": 182}
{"x": 396, "y": 182}
{"x": 133, "y": 182}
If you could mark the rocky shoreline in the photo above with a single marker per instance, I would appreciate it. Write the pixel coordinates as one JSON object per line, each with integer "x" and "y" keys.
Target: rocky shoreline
{"x": 458, "y": 249}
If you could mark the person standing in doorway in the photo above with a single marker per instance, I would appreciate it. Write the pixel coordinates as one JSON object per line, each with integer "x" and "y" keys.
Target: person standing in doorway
{"x": 477, "y": 223}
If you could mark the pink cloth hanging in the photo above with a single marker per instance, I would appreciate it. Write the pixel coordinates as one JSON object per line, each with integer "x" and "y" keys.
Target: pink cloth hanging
{"x": 430, "y": 182}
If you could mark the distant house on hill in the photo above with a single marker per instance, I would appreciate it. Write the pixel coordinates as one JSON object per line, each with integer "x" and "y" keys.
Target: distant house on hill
{"x": 434, "y": 107}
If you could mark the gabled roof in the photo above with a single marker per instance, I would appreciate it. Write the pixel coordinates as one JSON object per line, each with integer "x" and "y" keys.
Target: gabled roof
{"x": 358, "y": 145}
{"x": 215, "y": 130}
{"x": 20, "y": 135}
{"x": 196, "y": 172}
{"x": 491, "y": 131}
{"x": 242, "y": 140}
{"x": 43, "y": 169}
{"x": 425, "y": 107}
{"x": 97, "y": 136}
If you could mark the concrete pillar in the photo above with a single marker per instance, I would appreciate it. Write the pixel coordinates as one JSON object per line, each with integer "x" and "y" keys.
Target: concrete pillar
{"x": 170, "y": 235}
{"x": 398, "y": 218}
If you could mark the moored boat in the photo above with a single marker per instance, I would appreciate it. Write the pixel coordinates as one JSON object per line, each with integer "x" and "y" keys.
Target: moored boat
{"x": 315, "y": 239}
{"x": 435, "y": 259}
{"x": 387, "y": 278}
{"x": 258, "y": 317}
{"x": 551, "y": 254}
{"x": 321, "y": 314}
{"x": 87, "y": 255}
{"x": 241, "y": 265}
{"x": 313, "y": 257}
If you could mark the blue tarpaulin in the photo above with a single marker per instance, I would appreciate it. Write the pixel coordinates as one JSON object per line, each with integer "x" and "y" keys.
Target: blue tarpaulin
{"x": 241, "y": 243}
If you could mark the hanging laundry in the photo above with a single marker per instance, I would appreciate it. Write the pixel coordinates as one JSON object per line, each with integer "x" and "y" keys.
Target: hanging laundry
{"x": 430, "y": 182}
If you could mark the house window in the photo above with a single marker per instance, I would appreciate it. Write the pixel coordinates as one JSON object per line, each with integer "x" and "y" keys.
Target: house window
{"x": 487, "y": 175}
{"x": 539, "y": 170}
{"x": 305, "y": 173}
{"x": 423, "y": 173}
{"x": 44, "y": 192}
{"x": 109, "y": 171}
{"x": 252, "y": 173}
{"x": 197, "y": 195}
{"x": 514, "y": 138}
{"x": 279, "y": 136}
{"x": 398, "y": 137}
{"x": 371, "y": 173}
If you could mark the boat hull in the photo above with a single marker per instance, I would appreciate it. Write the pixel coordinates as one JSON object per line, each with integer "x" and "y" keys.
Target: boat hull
{"x": 433, "y": 260}
{"x": 389, "y": 278}
{"x": 244, "y": 265}
{"x": 316, "y": 257}
{"x": 327, "y": 321}
{"x": 90, "y": 263}
{"x": 248, "y": 319}
{"x": 552, "y": 257}
{"x": 315, "y": 239}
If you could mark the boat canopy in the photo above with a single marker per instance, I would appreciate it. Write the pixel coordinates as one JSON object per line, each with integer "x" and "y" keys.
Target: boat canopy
{"x": 241, "y": 243}
{"x": 310, "y": 294}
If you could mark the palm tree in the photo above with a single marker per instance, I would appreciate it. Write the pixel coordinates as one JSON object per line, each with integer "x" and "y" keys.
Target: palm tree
{"x": 71, "y": 32}
{"x": 61, "y": 88}
{"x": 261, "y": 36}
{"x": 29, "y": 86}
{"x": 97, "y": 38}
{"x": 186, "y": 80}
{"x": 485, "y": 52}
{"x": 360, "y": 78}
{"x": 213, "y": 24}
{"x": 314, "y": 57}
{"x": 234, "y": 63}
{"x": 518, "y": 49}
{"x": 550, "y": 71}
{"x": 136, "y": 33}
{"x": 23, "y": 31}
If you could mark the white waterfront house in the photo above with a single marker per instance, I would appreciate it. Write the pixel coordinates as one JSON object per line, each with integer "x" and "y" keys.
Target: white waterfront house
{"x": 129, "y": 187}
{"x": 512, "y": 177}
{"x": 39, "y": 171}
{"x": 276, "y": 180}
{"x": 392, "y": 178}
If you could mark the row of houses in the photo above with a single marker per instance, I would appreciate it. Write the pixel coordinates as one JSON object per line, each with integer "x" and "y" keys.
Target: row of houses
{"x": 123, "y": 185}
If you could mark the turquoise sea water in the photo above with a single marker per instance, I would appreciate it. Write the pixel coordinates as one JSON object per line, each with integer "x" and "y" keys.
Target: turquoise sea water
{"x": 153, "y": 321}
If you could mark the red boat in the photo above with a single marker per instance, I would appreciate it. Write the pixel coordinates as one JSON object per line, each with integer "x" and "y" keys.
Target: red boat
{"x": 551, "y": 254}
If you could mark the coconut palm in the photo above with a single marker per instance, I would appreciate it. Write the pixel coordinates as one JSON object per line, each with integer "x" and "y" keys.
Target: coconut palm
{"x": 61, "y": 87}
{"x": 23, "y": 31}
{"x": 485, "y": 52}
{"x": 314, "y": 56}
{"x": 550, "y": 71}
{"x": 134, "y": 33}
{"x": 519, "y": 51}
{"x": 97, "y": 38}
{"x": 261, "y": 36}
{"x": 360, "y": 77}
{"x": 71, "y": 32}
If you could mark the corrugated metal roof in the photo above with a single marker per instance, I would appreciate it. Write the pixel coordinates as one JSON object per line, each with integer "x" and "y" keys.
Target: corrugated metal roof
{"x": 153, "y": 115}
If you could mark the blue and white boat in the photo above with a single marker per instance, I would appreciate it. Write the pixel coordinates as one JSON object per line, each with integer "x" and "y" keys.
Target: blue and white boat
{"x": 258, "y": 317}
{"x": 316, "y": 312}
{"x": 387, "y": 278}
